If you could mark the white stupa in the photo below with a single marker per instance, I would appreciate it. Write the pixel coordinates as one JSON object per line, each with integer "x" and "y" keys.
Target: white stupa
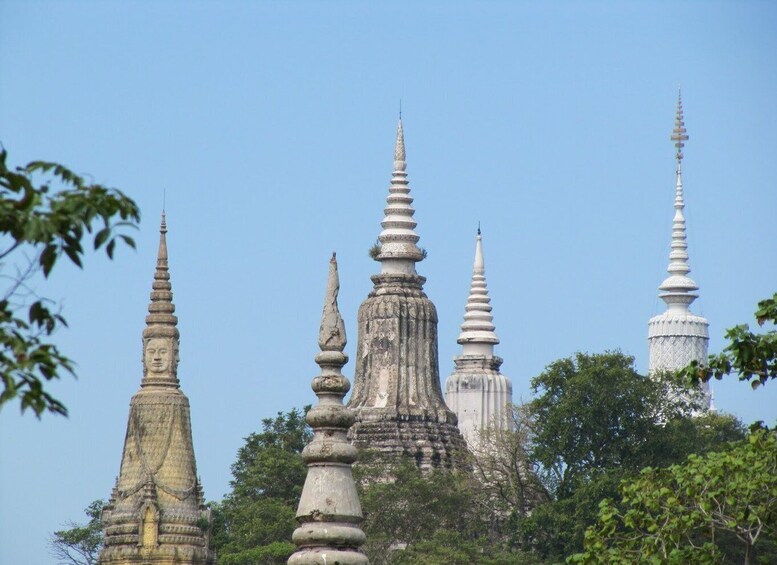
{"x": 476, "y": 391}
{"x": 677, "y": 337}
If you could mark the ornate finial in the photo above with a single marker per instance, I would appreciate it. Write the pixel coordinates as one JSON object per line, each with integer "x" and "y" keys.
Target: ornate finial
{"x": 679, "y": 134}
{"x": 400, "y": 108}
{"x": 478, "y": 227}
{"x": 399, "y": 147}
{"x": 331, "y": 336}
{"x": 398, "y": 249}
{"x": 160, "y": 338}
{"x": 329, "y": 512}
{"x": 477, "y": 332}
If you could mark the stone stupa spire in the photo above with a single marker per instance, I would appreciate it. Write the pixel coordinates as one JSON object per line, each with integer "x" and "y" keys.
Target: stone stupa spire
{"x": 397, "y": 394}
{"x": 156, "y": 513}
{"x": 329, "y": 512}
{"x": 399, "y": 251}
{"x": 476, "y": 391}
{"x": 677, "y": 337}
{"x": 161, "y": 322}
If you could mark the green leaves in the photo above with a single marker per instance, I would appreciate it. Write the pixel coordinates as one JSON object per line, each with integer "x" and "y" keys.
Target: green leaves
{"x": 752, "y": 356}
{"x": 712, "y": 505}
{"x": 48, "y": 225}
{"x": 80, "y": 544}
{"x": 255, "y": 522}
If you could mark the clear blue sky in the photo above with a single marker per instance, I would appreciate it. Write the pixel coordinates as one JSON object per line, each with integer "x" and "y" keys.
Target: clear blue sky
{"x": 271, "y": 128}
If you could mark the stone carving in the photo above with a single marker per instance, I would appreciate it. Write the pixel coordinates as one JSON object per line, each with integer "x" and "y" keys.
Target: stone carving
{"x": 156, "y": 513}
{"x": 158, "y": 355}
{"x": 329, "y": 512}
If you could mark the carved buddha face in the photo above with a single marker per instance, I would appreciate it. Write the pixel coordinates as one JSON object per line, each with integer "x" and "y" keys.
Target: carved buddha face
{"x": 158, "y": 355}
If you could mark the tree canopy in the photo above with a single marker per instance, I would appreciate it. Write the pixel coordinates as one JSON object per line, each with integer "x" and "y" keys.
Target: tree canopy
{"x": 38, "y": 226}
{"x": 713, "y": 508}
{"x": 598, "y": 422}
{"x": 80, "y": 544}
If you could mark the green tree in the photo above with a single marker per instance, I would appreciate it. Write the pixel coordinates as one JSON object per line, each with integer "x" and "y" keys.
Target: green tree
{"x": 686, "y": 513}
{"x": 37, "y": 227}
{"x": 80, "y": 544}
{"x": 597, "y": 422}
{"x": 752, "y": 356}
{"x": 594, "y": 412}
{"x": 254, "y": 523}
{"x": 424, "y": 517}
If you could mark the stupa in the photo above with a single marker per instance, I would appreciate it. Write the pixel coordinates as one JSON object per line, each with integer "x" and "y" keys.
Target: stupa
{"x": 476, "y": 391}
{"x": 397, "y": 394}
{"x": 156, "y": 514}
{"x": 677, "y": 337}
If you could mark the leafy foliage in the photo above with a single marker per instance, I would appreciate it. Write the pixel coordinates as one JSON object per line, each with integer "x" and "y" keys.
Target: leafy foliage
{"x": 752, "y": 356}
{"x": 80, "y": 544}
{"x": 431, "y": 517}
{"x": 37, "y": 227}
{"x": 681, "y": 514}
{"x": 597, "y": 422}
{"x": 255, "y": 521}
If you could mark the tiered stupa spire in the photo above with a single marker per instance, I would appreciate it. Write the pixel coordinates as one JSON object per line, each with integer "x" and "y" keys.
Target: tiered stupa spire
{"x": 678, "y": 336}
{"x": 397, "y": 393}
{"x": 156, "y": 513}
{"x": 477, "y": 332}
{"x": 329, "y": 512}
{"x": 476, "y": 391}
{"x": 399, "y": 251}
{"x": 678, "y": 289}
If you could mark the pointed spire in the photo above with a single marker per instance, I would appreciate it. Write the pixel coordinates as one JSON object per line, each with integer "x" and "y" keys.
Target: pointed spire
{"x": 160, "y": 338}
{"x": 329, "y": 512}
{"x": 398, "y": 249}
{"x": 677, "y": 290}
{"x": 477, "y": 332}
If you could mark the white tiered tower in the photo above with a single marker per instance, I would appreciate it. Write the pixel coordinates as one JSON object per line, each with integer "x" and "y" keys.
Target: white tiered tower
{"x": 677, "y": 336}
{"x": 476, "y": 391}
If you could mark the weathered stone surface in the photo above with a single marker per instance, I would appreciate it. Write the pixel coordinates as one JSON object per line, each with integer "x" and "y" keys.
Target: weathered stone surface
{"x": 397, "y": 393}
{"x": 156, "y": 513}
{"x": 329, "y": 512}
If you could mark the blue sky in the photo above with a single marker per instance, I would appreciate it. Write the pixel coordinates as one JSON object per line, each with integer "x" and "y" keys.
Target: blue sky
{"x": 270, "y": 126}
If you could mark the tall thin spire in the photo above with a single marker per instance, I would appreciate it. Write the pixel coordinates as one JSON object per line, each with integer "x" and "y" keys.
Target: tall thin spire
{"x": 677, "y": 336}
{"x": 161, "y": 322}
{"x": 476, "y": 391}
{"x": 157, "y": 509}
{"x": 477, "y": 332}
{"x": 398, "y": 249}
{"x": 678, "y": 289}
{"x": 329, "y": 512}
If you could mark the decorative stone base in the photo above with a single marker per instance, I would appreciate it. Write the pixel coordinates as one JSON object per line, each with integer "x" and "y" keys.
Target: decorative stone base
{"x": 430, "y": 443}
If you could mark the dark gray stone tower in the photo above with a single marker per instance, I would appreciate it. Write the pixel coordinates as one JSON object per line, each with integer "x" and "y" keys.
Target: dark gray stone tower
{"x": 397, "y": 393}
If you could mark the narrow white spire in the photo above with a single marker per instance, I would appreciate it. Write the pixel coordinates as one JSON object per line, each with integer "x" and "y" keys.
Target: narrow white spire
{"x": 398, "y": 250}
{"x": 677, "y": 290}
{"x": 477, "y": 332}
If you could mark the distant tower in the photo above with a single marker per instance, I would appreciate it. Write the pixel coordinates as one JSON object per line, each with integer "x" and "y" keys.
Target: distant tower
{"x": 397, "y": 393}
{"x": 329, "y": 512}
{"x": 156, "y": 513}
{"x": 476, "y": 391}
{"x": 677, "y": 336}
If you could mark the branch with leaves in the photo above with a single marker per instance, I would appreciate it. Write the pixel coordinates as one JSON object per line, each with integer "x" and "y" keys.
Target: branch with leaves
{"x": 38, "y": 226}
{"x": 752, "y": 356}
